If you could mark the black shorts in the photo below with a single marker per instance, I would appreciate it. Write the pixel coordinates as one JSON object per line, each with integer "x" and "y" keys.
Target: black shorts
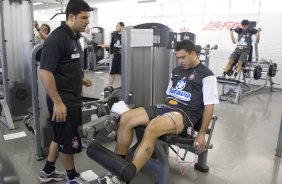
{"x": 66, "y": 133}
{"x": 116, "y": 64}
{"x": 156, "y": 110}
{"x": 240, "y": 55}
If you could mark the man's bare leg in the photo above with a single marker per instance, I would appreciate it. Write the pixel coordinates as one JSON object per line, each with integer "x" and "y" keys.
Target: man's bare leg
{"x": 129, "y": 120}
{"x": 239, "y": 68}
{"x": 159, "y": 126}
{"x": 228, "y": 67}
{"x": 111, "y": 79}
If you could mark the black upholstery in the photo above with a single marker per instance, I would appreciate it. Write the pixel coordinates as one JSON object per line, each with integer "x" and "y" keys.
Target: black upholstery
{"x": 250, "y": 58}
{"x": 159, "y": 161}
{"x": 38, "y": 55}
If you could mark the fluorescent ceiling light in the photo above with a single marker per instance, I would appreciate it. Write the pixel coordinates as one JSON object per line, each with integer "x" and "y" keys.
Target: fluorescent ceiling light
{"x": 146, "y": 1}
{"x": 37, "y": 3}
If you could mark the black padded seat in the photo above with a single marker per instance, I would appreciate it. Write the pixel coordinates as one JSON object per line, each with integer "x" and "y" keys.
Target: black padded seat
{"x": 160, "y": 162}
{"x": 223, "y": 80}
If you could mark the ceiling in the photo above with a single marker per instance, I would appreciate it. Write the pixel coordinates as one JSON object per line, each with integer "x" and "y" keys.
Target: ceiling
{"x": 51, "y": 4}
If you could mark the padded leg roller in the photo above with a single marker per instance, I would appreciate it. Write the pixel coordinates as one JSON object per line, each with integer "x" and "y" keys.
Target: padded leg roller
{"x": 111, "y": 161}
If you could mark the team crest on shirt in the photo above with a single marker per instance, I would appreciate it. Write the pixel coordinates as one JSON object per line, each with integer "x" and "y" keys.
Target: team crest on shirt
{"x": 75, "y": 142}
{"x": 192, "y": 76}
{"x": 178, "y": 92}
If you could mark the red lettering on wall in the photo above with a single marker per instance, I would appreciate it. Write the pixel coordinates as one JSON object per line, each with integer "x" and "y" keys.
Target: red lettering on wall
{"x": 218, "y": 26}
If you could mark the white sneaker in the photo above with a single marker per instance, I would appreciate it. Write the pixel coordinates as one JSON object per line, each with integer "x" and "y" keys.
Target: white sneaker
{"x": 55, "y": 176}
{"x": 106, "y": 178}
{"x": 116, "y": 180}
{"x": 77, "y": 180}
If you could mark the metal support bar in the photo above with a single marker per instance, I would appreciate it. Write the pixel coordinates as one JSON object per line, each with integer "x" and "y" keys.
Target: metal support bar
{"x": 6, "y": 117}
{"x": 35, "y": 102}
{"x": 279, "y": 142}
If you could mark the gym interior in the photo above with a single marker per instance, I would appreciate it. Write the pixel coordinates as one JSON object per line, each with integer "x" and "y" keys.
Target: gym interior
{"x": 244, "y": 139}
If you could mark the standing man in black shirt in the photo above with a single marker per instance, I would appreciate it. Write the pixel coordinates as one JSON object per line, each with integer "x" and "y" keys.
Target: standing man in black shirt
{"x": 244, "y": 44}
{"x": 115, "y": 51}
{"x": 61, "y": 73}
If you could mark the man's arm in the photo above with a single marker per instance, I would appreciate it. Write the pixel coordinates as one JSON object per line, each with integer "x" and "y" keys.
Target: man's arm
{"x": 206, "y": 119}
{"x": 42, "y": 34}
{"x": 48, "y": 80}
{"x": 232, "y": 36}
{"x": 40, "y": 31}
{"x": 258, "y": 36}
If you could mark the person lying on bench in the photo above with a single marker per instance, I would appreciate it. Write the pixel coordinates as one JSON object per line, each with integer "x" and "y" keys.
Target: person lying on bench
{"x": 243, "y": 49}
{"x": 191, "y": 95}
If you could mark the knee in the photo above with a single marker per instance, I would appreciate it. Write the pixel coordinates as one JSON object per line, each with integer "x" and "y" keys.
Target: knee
{"x": 230, "y": 62}
{"x": 240, "y": 62}
{"x": 125, "y": 121}
{"x": 151, "y": 131}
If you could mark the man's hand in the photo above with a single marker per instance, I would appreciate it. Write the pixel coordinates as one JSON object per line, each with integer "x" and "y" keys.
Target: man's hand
{"x": 86, "y": 82}
{"x": 231, "y": 31}
{"x": 200, "y": 143}
{"x": 60, "y": 112}
{"x": 36, "y": 25}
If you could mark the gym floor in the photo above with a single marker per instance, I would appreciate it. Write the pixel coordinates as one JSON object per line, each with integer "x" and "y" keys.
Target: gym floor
{"x": 244, "y": 142}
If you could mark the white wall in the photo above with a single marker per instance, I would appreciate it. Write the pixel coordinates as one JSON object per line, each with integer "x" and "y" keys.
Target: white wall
{"x": 43, "y": 16}
{"x": 210, "y": 22}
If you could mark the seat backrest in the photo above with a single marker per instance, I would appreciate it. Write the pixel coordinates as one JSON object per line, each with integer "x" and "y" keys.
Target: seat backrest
{"x": 198, "y": 125}
{"x": 38, "y": 55}
{"x": 250, "y": 58}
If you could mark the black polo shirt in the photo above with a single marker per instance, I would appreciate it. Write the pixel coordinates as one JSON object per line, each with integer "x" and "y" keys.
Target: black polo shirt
{"x": 62, "y": 55}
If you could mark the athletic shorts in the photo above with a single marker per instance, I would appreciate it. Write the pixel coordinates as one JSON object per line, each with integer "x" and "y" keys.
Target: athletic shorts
{"x": 240, "y": 55}
{"x": 66, "y": 133}
{"x": 156, "y": 110}
{"x": 116, "y": 64}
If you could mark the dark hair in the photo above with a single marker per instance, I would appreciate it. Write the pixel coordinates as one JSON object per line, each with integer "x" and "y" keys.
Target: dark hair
{"x": 48, "y": 27}
{"x": 76, "y": 6}
{"x": 187, "y": 45}
{"x": 245, "y": 22}
{"x": 121, "y": 24}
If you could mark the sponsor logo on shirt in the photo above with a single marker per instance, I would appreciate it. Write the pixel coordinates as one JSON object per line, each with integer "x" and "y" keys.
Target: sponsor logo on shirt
{"x": 117, "y": 44}
{"x": 242, "y": 42}
{"x": 172, "y": 102}
{"x": 178, "y": 91}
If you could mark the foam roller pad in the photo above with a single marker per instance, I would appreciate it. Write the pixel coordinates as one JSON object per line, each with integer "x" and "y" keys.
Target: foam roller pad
{"x": 111, "y": 161}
